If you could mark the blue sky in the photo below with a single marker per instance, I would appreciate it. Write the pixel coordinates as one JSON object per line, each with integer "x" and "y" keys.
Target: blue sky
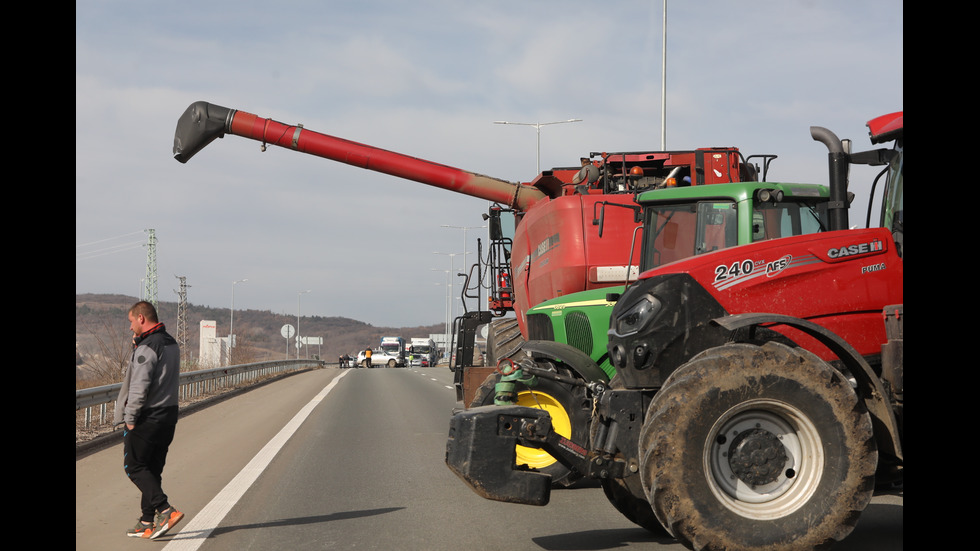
{"x": 426, "y": 78}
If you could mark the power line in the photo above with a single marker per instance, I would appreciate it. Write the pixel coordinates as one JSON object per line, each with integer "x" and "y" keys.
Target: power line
{"x": 82, "y": 253}
{"x": 109, "y": 250}
{"x": 109, "y": 239}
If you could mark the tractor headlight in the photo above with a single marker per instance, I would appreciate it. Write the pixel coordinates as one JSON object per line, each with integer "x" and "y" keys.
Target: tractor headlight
{"x": 637, "y": 316}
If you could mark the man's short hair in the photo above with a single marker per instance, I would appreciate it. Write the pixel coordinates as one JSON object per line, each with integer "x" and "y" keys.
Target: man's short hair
{"x": 145, "y": 309}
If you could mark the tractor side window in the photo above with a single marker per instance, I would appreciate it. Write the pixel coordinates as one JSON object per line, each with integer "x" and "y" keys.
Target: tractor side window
{"x": 677, "y": 231}
{"x": 668, "y": 234}
{"x": 717, "y": 226}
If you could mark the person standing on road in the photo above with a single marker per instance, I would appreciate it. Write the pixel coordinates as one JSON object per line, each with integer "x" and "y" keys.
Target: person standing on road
{"x": 367, "y": 357}
{"x": 147, "y": 405}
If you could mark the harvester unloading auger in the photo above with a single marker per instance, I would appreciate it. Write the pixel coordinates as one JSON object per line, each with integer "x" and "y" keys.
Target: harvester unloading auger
{"x": 202, "y": 122}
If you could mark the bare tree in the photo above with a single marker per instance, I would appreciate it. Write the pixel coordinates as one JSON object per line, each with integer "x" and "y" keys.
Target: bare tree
{"x": 244, "y": 351}
{"x": 107, "y": 365}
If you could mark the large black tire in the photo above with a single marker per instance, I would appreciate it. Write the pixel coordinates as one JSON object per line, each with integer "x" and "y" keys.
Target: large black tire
{"x": 634, "y": 508}
{"x": 504, "y": 340}
{"x": 627, "y": 495}
{"x": 757, "y": 447}
{"x": 570, "y": 411}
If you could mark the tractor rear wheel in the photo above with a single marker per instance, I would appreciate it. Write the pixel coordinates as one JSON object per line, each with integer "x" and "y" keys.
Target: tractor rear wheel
{"x": 750, "y": 447}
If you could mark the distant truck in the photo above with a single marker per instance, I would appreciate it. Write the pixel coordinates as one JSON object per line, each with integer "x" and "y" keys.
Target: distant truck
{"x": 395, "y": 347}
{"x": 422, "y": 352}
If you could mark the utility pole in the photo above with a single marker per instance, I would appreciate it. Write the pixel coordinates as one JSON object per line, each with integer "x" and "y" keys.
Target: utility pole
{"x": 182, "y": 317}
{"x": 151, "y": 268}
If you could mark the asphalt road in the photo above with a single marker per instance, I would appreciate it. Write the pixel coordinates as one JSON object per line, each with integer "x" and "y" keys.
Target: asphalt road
{"x": 354, "y": 459}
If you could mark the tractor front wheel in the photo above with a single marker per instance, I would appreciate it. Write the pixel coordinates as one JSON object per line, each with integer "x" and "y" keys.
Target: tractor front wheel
{"x": 752, "y": 447}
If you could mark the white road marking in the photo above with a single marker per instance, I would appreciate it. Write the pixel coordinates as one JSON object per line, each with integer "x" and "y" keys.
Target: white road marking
{"x": 197, "y": 530}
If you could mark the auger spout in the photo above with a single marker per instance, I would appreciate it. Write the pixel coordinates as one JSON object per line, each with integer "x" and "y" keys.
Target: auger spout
{"x": 203, "y": 122}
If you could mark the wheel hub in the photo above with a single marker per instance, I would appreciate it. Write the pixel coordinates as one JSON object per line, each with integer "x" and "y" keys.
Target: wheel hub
{"x": 757, "y": 457}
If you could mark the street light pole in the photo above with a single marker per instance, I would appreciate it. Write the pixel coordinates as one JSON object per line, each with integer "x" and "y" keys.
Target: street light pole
{"x": 663, "y": 87}
{"x": 449, "y": 304}
{"x": 445, "y": 329}
{"x": 298, "y": 296}
{"x": 231, "y": 326}
{"x": 464, "y": 228}
{"x": 537, "y": 127}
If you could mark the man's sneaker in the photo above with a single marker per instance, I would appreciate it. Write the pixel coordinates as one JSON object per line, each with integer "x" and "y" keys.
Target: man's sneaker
{"x": 166, "y": 520}
{"x": 141, "y": 530}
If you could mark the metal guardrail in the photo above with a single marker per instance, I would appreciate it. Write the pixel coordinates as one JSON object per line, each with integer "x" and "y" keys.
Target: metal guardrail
{"x": 192, "y": 384}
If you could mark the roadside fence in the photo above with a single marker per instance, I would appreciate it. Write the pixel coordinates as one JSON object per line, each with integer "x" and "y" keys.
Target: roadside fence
{"x": 98, "y": 401}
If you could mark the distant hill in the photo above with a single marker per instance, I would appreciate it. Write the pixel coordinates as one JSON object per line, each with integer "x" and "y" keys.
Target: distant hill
{"x": 100, "y": 320}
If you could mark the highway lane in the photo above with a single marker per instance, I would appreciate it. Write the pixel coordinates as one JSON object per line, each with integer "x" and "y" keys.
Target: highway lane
{"x": 364, "y": 469}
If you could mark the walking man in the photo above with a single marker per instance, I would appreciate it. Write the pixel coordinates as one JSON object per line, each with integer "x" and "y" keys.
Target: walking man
{"x": 147, "y": 405}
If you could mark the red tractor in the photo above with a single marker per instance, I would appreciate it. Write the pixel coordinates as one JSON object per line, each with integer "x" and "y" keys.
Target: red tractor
{"x": 758, "y": 395}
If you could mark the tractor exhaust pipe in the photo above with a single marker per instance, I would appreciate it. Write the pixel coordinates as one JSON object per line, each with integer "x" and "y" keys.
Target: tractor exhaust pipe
{"x": 839, "y": 161}
{"x": 202, "y": 122}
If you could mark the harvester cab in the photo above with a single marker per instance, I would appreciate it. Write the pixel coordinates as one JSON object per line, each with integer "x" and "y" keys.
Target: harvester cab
{"x": 633, "y": 172}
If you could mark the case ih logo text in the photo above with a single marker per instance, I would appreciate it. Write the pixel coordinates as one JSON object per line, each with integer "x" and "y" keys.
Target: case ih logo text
{"x": 861, "y": 248}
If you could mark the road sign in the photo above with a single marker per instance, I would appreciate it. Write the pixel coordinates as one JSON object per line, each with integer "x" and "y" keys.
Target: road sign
{"x": 287, "y": 331}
